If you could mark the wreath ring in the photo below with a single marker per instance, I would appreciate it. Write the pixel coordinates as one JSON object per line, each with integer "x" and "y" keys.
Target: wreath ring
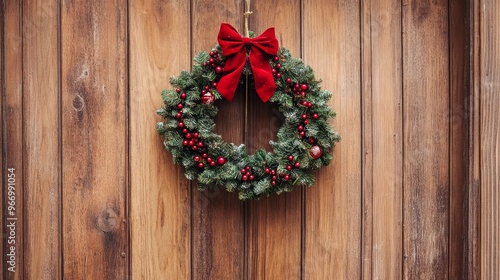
{"x": 305, "y": 139}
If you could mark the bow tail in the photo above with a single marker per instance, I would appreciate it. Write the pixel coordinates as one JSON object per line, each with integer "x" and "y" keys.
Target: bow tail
{"x": 262, "y": 73}
{"x": 232, "y": 72}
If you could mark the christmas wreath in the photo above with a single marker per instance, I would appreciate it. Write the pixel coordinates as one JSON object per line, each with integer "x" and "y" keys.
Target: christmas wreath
{"x": 304, "y": 141}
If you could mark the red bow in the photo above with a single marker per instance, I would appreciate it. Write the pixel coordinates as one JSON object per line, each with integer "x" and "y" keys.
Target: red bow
{"x": 234, "y": 49}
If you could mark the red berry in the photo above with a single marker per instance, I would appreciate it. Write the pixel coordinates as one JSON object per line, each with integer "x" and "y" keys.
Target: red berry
{"x": 273, "y": 172}
{"x": 188, "y": 135}
{"x": 196, "y": 158}
{"x": 251, "y": 177}
{"x": 273, "y": 183}
{"x": 212, "y": 163}
{"x": 179, "y": 106}
{"x": 244, "y": 177}
{"x": 297, "y": 164}
{"x": 200, "y": 144}
{"x": 185, "y": 143}
{"x": 306, "y": 122}
{"x": 278, "y": 75}
{"x": 191, "y": 142}
{"x": 309, "y": 104}
{"x": 305, "y": 103}
{"x": 274, "y": 71}
{"x": 288, "y": 80}
{"x": 183, "y": 95}
{"x": 204, "y": 155}
{"x": 315, "y": 116}
{"x": 218, "y": 69}
{"x": 196, "y": 134}
{"x": 304, "y": 116}
{"x": 221, "y": 160}
{"x": 274, "y": 178}
{"x": 178, "y": 90}
{"x": 300, "y": 128}
{"x": 214, "y": 84}
{"x": 207, "y": 88}
{"x": 211, "y": 60}
{"x": 180, "y": 124}
{"x": 286, "y": 177}
{"x": 290, "y": 157}
{"x": 201, "y": 165}
{"x": 205, "y": 64}
{"x": 184, "y": 130}
{"x": 178, "y": 115}
{"x": 302, "y": 134}
{"x": 243, "y": 171}
{"x": 276, "y": 59}
{"x": 209, "y": 160}
{"x": 278, "y": 66}
{"x": 311, "y": 140}
{"x": 212, "y": 53}
{"x": 288, "y": 167}
{"x": 304, "y": 86}
{"x": 248, "y": 174}
{"x": 194, "y": 147}
{"x": 268, "y": 170}
{"x": 247, "y": 167}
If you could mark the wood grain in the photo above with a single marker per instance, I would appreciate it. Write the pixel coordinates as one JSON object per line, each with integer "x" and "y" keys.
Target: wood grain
{"x": 43, "y": 252}
{"x": 94, "y": 139}
{"x": 218, "y": 221}
{"x": 490, "y": 139}
{"x": 2, "y": 82}
{"x": 12, "y": 129}
{"x": 458, "y": 139}
{"x": 274, "y": 223}
{"x": 426, "y": 139}
{"x": 473, "y": 204}
{"x": 382, "y": 137}
{"x": 160, "y": 204}
{"x": 331, "y": 45}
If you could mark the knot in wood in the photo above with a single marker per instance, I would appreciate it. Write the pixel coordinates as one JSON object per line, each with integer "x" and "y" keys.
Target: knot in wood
{"x": 106, "y": 221}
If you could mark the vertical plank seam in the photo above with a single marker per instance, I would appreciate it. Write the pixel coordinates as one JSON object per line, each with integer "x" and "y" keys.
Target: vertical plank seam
{"x": 189, "y": 183}
{"x": 303, "y": 190}
{"x": 22, "y": 250}
{"x": 60, "y": 139}
{"x": 403, "y": 125}
{"x": 246, "y": 206}
{"x": 128, "y": 185}
{"x": 362, "y": 122}
{"x": 449, "y": 138}
{"x": 2, "y": 94}
{"x": 477, "y": 122}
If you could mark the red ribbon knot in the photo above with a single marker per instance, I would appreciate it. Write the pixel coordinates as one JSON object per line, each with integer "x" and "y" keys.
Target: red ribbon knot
{"x": 233, "y": 47}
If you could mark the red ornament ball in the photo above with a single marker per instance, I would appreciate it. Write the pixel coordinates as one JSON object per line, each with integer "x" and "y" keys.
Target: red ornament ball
{"x": 221, "y": 160}
{"x": 315, "y": 152}
{"x": 218, "y": 69}
{"x": 183, "y": 95}
{"x": 201, "y": 165}
{"x": 315, "y": 116}
{"x": 207, "y": 98}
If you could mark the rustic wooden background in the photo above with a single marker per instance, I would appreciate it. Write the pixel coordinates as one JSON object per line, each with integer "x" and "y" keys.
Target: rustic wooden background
{"x": 416, "y": 87}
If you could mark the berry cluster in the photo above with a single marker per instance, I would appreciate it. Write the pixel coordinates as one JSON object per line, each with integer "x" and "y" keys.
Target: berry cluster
{"x": 215, "y": 61}
{"x": 206, "y": 159}
{"x": 246, "y": 174}
{"x": 277, "y": 68}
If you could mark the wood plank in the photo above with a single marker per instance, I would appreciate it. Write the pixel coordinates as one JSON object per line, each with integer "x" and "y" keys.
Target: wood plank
{"x": 218, "y": 242}
{"x": 458, "y": 139}
{"x": 2, "y": 86}
{"x": 490, "y": 139}
{"x": 474, "y": 171}
{"x": 94, "y": 139}
{"x": 160, "y": 194}
{"x": 382, "y": 138}
{"x": 274, "y": 223}
{"x": 331, "y": 45}
{"x": 426, "y": 139}
{"x": 43, "y": 252}
{"x": 12, "y": 129}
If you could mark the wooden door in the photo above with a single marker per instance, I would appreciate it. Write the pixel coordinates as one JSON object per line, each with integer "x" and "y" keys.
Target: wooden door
{"x": 96, "y": 196}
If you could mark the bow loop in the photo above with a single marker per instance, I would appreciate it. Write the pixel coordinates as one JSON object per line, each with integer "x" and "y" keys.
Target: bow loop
{"x": 233, "y": 47}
